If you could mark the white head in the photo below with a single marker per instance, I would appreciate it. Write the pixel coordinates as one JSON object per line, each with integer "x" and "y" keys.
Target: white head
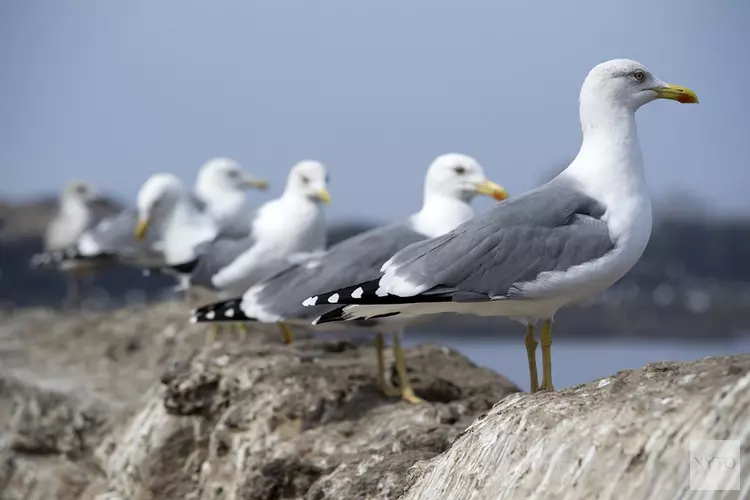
{"x": 308, "y": 178}
{"x": 225, "y": 174}
{"x": 156, "y": 199}
{"x": 622, "y": 84}
{"x": 459, "y": 176}
{"x": 78, "y": 192}
{"x": 221, "y": 184}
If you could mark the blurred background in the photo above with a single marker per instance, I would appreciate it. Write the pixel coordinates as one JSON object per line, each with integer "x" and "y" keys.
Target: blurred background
{"x": 111, "y": 92}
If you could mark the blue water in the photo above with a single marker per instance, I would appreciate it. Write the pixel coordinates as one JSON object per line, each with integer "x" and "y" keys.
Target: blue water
{"x": 575, "y": 361}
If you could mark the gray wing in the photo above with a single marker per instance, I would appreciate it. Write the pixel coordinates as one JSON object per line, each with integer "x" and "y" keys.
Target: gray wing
{"x": 551, "y": 228}
{"x": 215, "y": 255}
{"x": 101, "y": 209}
{"x": 353, "y": 260}
{"x": 238, "y": 227}
{"x": 196, "y": 202}
{"x": 116, "y": 236}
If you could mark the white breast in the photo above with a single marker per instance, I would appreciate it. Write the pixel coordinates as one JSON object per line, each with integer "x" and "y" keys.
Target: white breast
{"x": 282, "y": 228}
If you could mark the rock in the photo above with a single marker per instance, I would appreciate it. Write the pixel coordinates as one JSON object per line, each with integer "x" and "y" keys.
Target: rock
{"x": 132, "y": 405}
{"x": 626, "y": 436}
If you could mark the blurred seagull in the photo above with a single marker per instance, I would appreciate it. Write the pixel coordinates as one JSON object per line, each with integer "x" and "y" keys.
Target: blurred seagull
{"x": 76, "y": 214}
{"x": 219, "y": 194}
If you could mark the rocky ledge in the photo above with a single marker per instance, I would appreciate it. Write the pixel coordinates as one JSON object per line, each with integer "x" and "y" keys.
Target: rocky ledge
{"x": 133, "y": 405}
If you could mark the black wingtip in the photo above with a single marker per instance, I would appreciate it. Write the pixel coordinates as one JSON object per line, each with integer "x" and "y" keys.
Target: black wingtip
{"x": 227, "y": 311}
{"x": 355, "y": 294}
{"x": 341, "y": 314}
{"x": 185, "y": 267}
{"x": 330, "y": 317}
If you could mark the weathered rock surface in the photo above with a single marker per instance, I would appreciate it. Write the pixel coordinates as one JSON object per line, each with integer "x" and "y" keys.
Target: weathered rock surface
{"x": 131, "y": 405}
{"x": 626, "y": 436}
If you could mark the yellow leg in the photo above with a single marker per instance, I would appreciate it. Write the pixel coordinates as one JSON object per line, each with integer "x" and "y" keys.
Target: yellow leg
{"x": 241, "y": 329}
{"x": 383, "y": 384}
{"x": 407, "y": 393}
{"x": 287, "y": 336}
{"x": 531, "y": 344}
{"x": 546, "y": 339}
{"x": 212, "y": 333}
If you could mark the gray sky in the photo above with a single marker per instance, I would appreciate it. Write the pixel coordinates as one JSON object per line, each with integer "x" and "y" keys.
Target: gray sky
{"x": 112, "y": 91}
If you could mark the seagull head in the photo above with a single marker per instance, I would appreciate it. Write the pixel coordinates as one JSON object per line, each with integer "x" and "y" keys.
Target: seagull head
{"x": 628, "y": 84}
{"x": 309, "y": 178}
{"x": 157, "y": 197}
{"x": 79, "y": 192}
{"x": 228, "y": 175}
{"x": 460, "y": 176}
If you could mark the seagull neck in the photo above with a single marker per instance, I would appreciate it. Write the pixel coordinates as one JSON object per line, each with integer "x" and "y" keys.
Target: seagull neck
{"x": 73, "y": 207}
{"x": 223, "y": 204}
{"x": 185, "y": 228}
{"x": 293, "y": 196}
{"x": 609, "y": 163}
{"x": 440, "y": 214}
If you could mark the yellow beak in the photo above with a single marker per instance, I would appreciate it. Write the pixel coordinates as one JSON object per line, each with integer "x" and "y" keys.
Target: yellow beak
{"x": 255, "y": 183}
{"x": 324, "y": 196}
{"x": 141, "y": 228}
{"x": 489, "y": 188}
{"x": 676, "y": 93}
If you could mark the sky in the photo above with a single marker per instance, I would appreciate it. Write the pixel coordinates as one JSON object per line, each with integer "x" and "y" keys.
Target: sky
{"x": 112, "y": 91}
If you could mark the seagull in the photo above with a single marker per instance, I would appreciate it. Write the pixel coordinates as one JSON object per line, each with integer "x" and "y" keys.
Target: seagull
{"x": 219, "y": 192}
{"x": 560, "y": 243}
{"x": 74, "y": 217}
{"x": 282, "y": 231}
{"x": 452, "y": 180}
{"x": 221, "y": 184}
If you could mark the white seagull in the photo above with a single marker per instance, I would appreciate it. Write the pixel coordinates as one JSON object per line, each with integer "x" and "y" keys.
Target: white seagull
{"x": 560, "y": 243}
{"x": 76, "y": 214}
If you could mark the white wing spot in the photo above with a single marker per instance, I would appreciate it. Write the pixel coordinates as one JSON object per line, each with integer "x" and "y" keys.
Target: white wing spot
{"x": 333, "y": 298}
{"x": 229, "y": 313}
{"x": 210, "y": 315}
{"x": 310, "y": 301}
{"x": 357, "y": 294}
{"x": 193, "y": 319}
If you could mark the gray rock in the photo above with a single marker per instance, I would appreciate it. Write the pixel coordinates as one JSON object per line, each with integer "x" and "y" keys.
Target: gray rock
{"x": 626, "y": 436}
{"x": 132, "y": 405}
{"x": 142, "y": 409}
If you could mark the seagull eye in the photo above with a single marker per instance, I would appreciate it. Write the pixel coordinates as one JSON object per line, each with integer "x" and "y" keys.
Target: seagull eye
{"x": 305, "y": 180}
{"x": 460, "y": 170}
{"x": 233, "y": 174}
{"x": 639, "y": 75}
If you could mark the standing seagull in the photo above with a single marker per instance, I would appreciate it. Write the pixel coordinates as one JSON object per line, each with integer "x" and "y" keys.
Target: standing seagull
{"x": 560, "y": 243}
{"x": 74, "y": 217}
{"x": 451, "y": 182}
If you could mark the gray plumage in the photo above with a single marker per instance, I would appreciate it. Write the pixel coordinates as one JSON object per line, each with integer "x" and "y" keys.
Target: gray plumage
{"x": 217, "y": 254}
{"x": 353, "y": 260}
{"x": 552, "y": 228}
{"x": 116, "y": 236}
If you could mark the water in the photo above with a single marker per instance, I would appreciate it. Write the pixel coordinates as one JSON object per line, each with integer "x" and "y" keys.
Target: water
{"x": 576, "y": 361}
